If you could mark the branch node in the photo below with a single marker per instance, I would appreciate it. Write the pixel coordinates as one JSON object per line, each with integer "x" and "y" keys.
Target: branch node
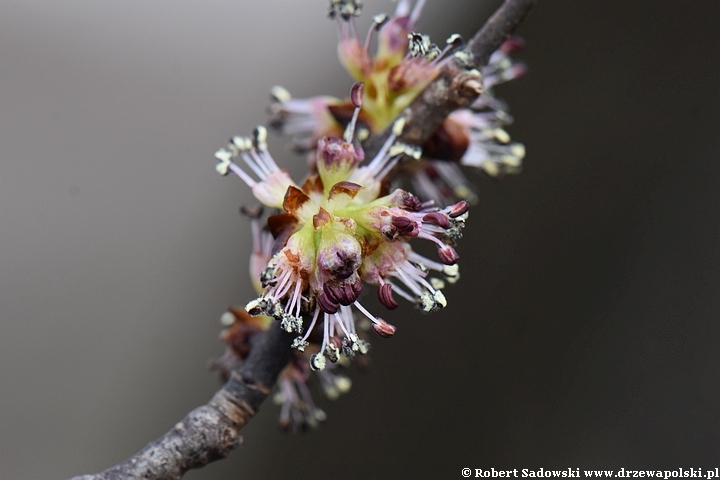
{"x": 238, "y": 411}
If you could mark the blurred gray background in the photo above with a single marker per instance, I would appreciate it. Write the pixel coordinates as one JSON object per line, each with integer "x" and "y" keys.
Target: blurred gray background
{"x": 584, "y": 332}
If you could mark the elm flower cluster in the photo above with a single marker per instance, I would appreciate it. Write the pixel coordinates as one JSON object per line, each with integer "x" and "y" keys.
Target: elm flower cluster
{"x": 339, "y": 231}
{"x": 473, "y": 137}
{"x": 404, "y": 63}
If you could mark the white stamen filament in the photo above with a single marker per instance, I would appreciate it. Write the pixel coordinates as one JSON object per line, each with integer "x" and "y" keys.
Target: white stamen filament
{"x": 326, "y": 332}
{"x": 350, "y": 130}
{"x": 427, "y": 236}
{"x": 347, "y": 315}
{"x": 312, "y": 324}
{"x": 241, "y": 173}
{"x": 280, "y": 287}
{"x": 366, "y": 313}
{"x": 339, "y": 321}
{"x": 407, "y": 280}
{"x": 382, "y": 158}
{"x": 416, "y": 13}
{"x": 253, "y": 166}
{"x": 368, "y": 38}
{"x": 401, "y": 292}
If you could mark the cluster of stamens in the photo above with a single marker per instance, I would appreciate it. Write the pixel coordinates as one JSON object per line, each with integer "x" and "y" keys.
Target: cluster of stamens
{"x": 338, "y": 231}
{"x": 343, "y": 228}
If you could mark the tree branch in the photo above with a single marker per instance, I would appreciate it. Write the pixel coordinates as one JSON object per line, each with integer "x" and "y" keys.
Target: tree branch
{"x": 212, "y": 431}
